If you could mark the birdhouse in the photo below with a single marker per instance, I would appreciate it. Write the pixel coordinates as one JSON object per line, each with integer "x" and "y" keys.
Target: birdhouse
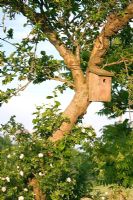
{"x": 99, "y": 87}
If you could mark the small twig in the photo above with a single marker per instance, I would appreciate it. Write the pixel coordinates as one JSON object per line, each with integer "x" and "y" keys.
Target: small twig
{"x": 3, "y": 39}
{"x": 117, "y": 62}
{"x": 22, "y": 88}
{"x": 62, "y": 80}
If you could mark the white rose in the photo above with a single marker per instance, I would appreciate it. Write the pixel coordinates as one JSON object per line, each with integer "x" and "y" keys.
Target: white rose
{"x": 21, "y": 198}
{"x": 68, "y": 179}
{"x": 21, "y": 173}
{"x": 90, "y": 134}
{"x": 3, "y": 189}
{"x": 40, "y": 155}
{"x": 7, "y": 179}
{"x": 41, "y": 174}
{"x": 9, "y": 156}
{"x": 21, "y": 156}
{"x": 25, "y": 189}
{"x": 83, "y": 130}
{"x": 51, "y": 165}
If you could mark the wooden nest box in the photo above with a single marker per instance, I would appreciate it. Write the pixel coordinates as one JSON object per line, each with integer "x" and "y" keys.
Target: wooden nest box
{"x": 100, "y": 87}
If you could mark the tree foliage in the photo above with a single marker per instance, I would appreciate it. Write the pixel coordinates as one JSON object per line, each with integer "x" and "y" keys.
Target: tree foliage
{"x": 115, "y": 155}
{"x": 62, "y": 171}
{"x": 74, "y": 24}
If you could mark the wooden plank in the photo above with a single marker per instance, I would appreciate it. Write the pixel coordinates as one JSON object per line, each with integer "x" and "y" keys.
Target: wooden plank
{"x": 99, "y": 88}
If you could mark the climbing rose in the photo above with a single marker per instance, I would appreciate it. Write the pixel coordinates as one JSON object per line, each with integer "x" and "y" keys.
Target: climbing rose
{"x": 40, "y": 155}
{"x": 7, "y": 179}
{"x": 21, "y": 198}
{"x": 68, "y": 179}
{"x": 3, "y": 189}
{"x": 21, "y": 156}
{"x": 21, "y": 173}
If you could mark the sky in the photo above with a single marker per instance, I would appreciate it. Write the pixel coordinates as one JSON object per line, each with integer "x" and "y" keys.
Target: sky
{"x": 35, "y": 95}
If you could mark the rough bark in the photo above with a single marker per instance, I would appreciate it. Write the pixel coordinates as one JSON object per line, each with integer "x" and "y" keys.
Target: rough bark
{"x": 80, "y": 101}
{"x": 38, "y": 195}
{"x": 76, "y": 108}
{"x": 72, "y": 61}
{"x": 114, "y": 23}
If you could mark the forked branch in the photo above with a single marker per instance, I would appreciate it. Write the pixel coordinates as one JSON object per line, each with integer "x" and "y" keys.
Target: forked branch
{"x": 114, "y": 23}
{"x": 70, "y": 84}
{"x": 71, "y": 61}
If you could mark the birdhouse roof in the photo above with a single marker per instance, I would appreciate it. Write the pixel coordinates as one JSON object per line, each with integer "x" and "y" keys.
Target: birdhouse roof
{"x": 101, "y": 72}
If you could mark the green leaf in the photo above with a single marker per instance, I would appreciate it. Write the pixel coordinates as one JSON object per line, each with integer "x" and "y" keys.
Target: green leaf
{"x": 10, "y": 33}
{"x": 49, "y": 97}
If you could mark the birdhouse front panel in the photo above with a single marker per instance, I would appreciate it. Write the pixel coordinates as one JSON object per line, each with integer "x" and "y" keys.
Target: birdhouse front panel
{"x": 99, "y": 88}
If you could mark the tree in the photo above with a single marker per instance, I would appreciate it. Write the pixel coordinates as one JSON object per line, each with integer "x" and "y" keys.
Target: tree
{"x": 115, "y": 154}
{"x": 81, "y": 33}
{"x": 89, "y": 36}
{"x": 33, "y": 166}
{"x": 4, "y": 142}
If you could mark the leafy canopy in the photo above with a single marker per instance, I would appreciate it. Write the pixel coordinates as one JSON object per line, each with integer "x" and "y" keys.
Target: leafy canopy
{"x": 62, "y": 170}
{"x": 74, "y": 24}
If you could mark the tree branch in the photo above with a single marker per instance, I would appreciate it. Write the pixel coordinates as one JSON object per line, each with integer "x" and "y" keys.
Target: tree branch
{"x": 70, "y": 59}
{"x": 117, "y": 62}
{"x": 21, "y": 7}
{"x": 22, "y": 88}
{"x": 36, "y": 189}
{"x": 114, "y": 24}
{"x": 62, "y": 80}
{"x": 4, "y": 39}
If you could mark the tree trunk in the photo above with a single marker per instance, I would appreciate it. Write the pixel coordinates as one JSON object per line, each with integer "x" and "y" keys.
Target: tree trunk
{"x": 38, "y": 195}
{"x": 75, "y": 109}
{"x": 80, "y": 101}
